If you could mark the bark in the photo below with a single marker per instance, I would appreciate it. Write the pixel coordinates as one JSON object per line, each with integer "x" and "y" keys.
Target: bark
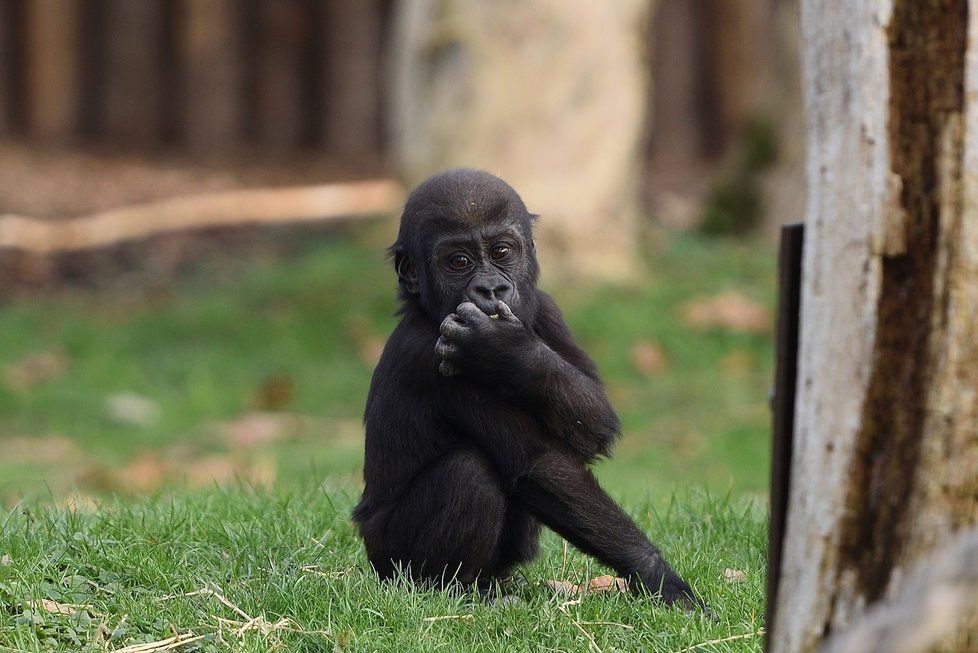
{"x": 549, "y": 94}
{"x": 886, "y": 435}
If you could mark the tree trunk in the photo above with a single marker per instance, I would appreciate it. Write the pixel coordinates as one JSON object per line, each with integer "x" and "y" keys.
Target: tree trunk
{"x": 886, "y": 435}
{"x": 549, "y": 94}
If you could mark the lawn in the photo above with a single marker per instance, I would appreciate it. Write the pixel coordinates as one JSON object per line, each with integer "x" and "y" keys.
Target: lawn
{"x": 204, "y": 434}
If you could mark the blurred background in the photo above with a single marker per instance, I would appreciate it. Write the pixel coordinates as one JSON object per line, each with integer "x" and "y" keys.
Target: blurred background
{"x": 196, "y": 197}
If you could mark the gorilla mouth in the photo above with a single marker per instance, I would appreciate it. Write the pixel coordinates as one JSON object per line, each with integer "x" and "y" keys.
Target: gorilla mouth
{"x": 495, "y": 316}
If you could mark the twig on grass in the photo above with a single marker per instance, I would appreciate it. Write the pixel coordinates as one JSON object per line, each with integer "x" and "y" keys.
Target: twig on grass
{"x": 447, "y": 617}
{"x": 168, "y": 644}
{"x": 592, "y": 644}
{"x": 732, "y": 638}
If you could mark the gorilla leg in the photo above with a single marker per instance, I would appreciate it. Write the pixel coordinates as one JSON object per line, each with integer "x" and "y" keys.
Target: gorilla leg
{"x": 451, "y": 524}
{"x": 520, "y": 541}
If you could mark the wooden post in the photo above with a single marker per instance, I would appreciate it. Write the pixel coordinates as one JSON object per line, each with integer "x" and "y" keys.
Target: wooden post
{"x": 12, "y": 106}
{"x": 282, "y": 28}
{"x": 351, "y": 81}
{"x": 132, "y": 97}
{"x": 53, "y": 30}
{"x": 783, "y": 400}
{"x": 210, "y": 51}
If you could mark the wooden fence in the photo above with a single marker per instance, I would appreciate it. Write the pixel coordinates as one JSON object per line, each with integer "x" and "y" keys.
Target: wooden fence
{"x": 206, "y": 75}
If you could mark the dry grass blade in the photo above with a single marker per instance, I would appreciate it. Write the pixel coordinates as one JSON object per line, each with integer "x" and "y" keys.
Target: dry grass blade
{"x": 592, "y": 644}
{"x": 168, "y": 644}
{"x": 732, "y": 638}
{"x": 448, "y": 617}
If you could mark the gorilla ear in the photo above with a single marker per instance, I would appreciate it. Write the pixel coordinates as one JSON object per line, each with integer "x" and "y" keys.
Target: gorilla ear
{"x": 407, "y": 274}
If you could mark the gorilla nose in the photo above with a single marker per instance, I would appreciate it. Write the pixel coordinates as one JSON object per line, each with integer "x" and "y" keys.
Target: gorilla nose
{"x": 485, "y": 294}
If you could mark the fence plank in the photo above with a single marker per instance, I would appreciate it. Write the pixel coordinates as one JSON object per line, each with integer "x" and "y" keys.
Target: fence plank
{"x": 133, "y": 70}
{"x": 53, "y": 66}
{"x": 351, "y": 82}
{"x": 210, "y": 49}
{"x": 278, "y": 112}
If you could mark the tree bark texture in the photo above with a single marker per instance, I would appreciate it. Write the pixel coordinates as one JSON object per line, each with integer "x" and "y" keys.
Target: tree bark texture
{"x": 548, "y": 94}
{"x": 886, "y": 433}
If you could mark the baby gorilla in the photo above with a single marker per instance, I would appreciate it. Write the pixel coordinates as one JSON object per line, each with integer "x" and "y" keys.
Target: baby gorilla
{"x": 483, "y": 413}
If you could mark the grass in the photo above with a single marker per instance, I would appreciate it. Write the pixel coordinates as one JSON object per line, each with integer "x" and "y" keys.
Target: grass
{"x": 290, "y": 564}
{"x": 297, "y": 340}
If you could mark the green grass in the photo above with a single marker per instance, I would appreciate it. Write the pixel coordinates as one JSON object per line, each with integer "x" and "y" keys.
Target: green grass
{"x": 203, "y": 349}
{"x": 293, "y": 555}
{"x": 208, "y": 348}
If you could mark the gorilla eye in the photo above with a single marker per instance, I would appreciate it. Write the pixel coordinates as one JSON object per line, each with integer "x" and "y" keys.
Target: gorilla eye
{"x": 499, "y": 252}
{"x": 459, "y": 262}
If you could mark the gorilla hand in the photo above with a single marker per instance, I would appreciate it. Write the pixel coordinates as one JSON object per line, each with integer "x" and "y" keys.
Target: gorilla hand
{"x": 480, "y": 344}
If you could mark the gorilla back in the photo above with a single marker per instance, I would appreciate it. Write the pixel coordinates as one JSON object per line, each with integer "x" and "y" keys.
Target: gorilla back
{"x": 483, "y": 413}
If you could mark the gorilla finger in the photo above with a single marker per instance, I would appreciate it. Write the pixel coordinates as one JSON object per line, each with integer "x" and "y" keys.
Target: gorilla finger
{"x": 469, "y": 311}
{"x": 444, "y": 348}
{"x": 451, "y": 326}
{"x": 506, "y": 313}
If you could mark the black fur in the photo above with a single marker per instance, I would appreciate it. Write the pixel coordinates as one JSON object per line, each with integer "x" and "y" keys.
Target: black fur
{"x": 483, "y": 412}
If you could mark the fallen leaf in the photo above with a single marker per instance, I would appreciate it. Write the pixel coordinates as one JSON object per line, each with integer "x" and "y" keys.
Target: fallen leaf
{"x": 45, "y": 450}
{"x": 276, "y": 392}
{"x": 359, "y": 330}
{"x": 563, "y": 587}
{"x": 253, "y": 429}
{"x": 733, "y": 576}
{"x": 31, "y": 371}
{"x": 145, "y": 473}
{"x": 222, "y": 469}
{"x": 737, "y": 363}
{"x": 132, "y": 409}
{"x": 607, "y": 584}
{"x": 54, "y": 607}
{"x": 78, "y": 502}
{"x": 729, "y": 310}
{"x": 5, "y": 559}
{"x": 648, "y": 358}
{"x": 597, "y": 585}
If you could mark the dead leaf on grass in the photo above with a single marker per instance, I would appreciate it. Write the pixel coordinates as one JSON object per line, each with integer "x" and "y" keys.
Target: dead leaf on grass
{"x": 729, "y": 310}
{"x": 5, "y": 559}
{"x": 597, "y": 585}
{"x": 54, "y": 607}
{"x": 45, "y": 450}
{"x": 737, "y": 363}
{"x": 370, "y": 348}
{"x": 31, "y": 371}
{"x": 253, "y": 429}
{"x": 733, "y": 576}
{"x": 369, "y": 345}
{"x": 648, "y": 358}
{"x": 607, "y": 584}
{"x": 144, "y": 473}
{"x": 224, "y": 470}
{"x": 276, "y": 392}
{"x": 78, "y": 502}
{"x": 132, "y": 409}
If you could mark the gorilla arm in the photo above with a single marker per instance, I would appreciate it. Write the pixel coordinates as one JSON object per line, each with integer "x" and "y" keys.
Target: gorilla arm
{"x": 562, "y": 388}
